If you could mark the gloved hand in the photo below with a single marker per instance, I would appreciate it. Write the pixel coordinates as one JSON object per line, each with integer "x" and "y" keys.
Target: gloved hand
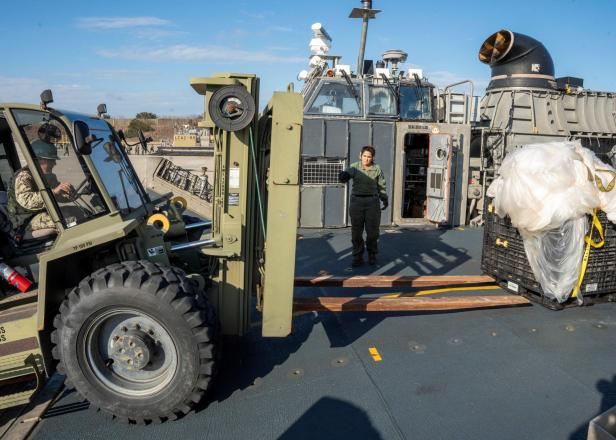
{"x": 344, "y": 177}
{"x": 385, "y": 205}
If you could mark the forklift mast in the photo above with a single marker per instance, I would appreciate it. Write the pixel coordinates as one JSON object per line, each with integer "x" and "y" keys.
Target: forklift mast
{"x": 255, "y": 202}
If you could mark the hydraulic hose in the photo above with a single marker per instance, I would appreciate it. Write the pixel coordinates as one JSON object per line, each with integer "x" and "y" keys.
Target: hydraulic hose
{"x": 254, "y": 167}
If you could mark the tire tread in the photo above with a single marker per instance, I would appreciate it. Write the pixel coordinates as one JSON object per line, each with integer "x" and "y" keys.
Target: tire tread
{"x": 169, "y": 285}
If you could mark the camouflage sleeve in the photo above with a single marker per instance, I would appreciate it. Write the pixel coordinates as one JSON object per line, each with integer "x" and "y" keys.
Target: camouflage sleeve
{"x": 26, "y": 193}
{"x": 380, "y": 184}
{"x": 52, "y": 181}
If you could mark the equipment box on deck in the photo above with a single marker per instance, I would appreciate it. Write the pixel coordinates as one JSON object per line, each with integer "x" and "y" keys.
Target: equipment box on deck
{"x": 504, "y": 258}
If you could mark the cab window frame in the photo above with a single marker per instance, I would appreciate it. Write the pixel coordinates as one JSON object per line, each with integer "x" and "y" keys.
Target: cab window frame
{"x": 394, "y": 111}
{"x": 358, "y": 86}
{"x": 84, "y": 167}
{"x": 9, "y": 152}
{"x": 426, "y": 92}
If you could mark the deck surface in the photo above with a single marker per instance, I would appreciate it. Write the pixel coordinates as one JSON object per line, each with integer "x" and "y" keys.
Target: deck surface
{"x": 510, "y": 373}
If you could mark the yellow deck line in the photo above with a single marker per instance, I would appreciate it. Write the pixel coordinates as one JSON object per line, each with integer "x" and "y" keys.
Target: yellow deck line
{"x": 442, "y": 290}
{"x": 375, "y": 354}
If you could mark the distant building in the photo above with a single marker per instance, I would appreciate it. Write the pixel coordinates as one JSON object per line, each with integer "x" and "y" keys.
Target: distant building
{"x": 189, "y": 136}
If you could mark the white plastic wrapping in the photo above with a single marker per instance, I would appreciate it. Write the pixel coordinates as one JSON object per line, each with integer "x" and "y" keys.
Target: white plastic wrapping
{"x": 605, "y": 174}
{"x": 555, "y": 257}
{"x": 547, "y": 190}
{"x": 540, "y": 186}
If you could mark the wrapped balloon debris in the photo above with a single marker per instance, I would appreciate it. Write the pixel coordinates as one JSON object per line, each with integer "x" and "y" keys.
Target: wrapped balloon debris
{"x": 604, "y": 178}
{"x": 547, "y": 190}
{"x": 555, "y": 257}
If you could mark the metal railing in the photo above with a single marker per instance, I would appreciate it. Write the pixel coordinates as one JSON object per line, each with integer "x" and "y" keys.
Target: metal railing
{"x": 185, "y": 180}
{"x": 465, "y": 102}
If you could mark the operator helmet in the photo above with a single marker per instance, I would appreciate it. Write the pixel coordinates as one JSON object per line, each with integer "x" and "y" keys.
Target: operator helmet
{"x": 42, "y": 148}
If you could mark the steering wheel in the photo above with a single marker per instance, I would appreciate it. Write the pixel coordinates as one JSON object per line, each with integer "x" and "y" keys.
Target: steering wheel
{"x": 83, "y": 188}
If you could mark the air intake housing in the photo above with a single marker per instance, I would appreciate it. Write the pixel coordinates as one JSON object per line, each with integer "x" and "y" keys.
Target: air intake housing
{"x": 517, "y": 60}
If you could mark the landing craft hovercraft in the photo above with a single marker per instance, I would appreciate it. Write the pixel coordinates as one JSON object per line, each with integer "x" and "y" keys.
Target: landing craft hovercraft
{"x": 438, "y": 148}
{"x": 421, "y": 134}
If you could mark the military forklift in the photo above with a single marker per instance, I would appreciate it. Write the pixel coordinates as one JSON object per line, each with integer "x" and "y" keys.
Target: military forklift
{"x": 130, "y": 296}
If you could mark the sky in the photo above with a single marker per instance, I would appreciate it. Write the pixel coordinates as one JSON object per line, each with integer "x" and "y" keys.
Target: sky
{"x": 137, "y": 55}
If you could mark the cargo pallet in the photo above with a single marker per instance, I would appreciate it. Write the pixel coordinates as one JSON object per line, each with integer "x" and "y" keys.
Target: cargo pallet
{"x": 504, "y": 258}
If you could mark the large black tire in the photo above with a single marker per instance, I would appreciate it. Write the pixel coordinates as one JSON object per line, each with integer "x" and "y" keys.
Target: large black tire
{"x": 168, "y": 331}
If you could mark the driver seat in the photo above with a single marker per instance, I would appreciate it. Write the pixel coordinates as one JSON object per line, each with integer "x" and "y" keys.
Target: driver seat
{"x": 38, "y": 234}
{"x": 28, "y": 240}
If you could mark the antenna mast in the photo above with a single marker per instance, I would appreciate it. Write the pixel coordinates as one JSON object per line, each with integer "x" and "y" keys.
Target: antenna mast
{"x": 366, "y": 13}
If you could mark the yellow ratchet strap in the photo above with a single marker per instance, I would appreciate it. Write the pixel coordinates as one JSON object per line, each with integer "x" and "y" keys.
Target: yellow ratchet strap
{"x": 610, "y": 186}
{"x": 589, "y": 243}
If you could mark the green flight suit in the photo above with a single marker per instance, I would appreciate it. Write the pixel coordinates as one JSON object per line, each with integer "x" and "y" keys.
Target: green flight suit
{"x": 364, "y": 209}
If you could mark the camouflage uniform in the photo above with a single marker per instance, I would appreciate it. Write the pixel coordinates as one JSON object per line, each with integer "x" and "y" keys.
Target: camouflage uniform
{"x": 26, "y": 204}
{"x": 364, "y": 209}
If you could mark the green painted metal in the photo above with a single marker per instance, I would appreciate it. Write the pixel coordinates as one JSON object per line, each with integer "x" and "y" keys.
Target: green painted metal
{"x": 56, "y": 265}
{"x": 21, "y": 355}
{"x": 256, "y": 190}
{"x": 284, "y": 114}
{"x": 234, "y": 211}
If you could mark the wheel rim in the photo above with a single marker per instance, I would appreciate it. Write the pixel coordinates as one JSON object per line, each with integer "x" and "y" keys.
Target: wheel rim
{"x": 130, "y": 352}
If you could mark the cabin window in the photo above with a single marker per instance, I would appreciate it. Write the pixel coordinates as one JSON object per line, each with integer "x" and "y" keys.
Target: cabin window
{"x": 58, "y": 163}
{"x": 337, "y": 98}
{"x": 415, "y": 103}
{"x": 381, "y": 101}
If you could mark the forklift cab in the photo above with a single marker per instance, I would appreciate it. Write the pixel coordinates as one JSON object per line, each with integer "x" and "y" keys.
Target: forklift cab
{"x": 103, "y": 205}
{"x": 81, "y": 171}
{"x": 14, "y": 239}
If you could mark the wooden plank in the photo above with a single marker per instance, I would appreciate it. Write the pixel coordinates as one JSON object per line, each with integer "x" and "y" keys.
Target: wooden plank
{"x": 33, "y": 412}
{"x": 8, "y": 417}
{"x": 392, "y": 281}
{"x": 403, "y": 304}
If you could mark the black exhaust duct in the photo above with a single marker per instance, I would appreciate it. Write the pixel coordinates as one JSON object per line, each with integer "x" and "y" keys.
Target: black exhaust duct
{"x": 517, "y": 60}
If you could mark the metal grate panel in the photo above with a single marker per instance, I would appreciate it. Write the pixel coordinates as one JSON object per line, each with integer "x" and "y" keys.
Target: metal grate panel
{"x": 321, "y": 171}
{"x": 185, "y": 180}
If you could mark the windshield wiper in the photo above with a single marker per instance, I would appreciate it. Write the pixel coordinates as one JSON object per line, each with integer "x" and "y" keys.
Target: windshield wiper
{"x": 418, "y": 88}
{"x": 351, "y": 87}
{"x": 393, "y": 90}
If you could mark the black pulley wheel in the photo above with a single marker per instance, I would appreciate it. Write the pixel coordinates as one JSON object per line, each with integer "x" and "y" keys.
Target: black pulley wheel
{"x": 231, "y": 108}
{"x": 138, "y": 340}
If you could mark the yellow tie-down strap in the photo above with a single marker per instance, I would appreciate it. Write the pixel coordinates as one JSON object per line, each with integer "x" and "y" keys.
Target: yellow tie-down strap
{"x": 599, "y": 182}
{"x": 596, "y": 224}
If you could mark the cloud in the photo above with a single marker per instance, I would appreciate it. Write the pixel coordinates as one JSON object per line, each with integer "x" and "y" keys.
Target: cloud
{"x": 186, "y": 53}
{"x": 279, "y": 29}
{"x": 21, "y": 89}
{"x": 229, "y": 35}
{"x": 181, "y": 100}
{"x": 257, "y": 15}
{"x": 120, "y": 22}
{"x": 283, "y": 48}
{"x": 108, "y": 75}
{"x": 157, "y": 34}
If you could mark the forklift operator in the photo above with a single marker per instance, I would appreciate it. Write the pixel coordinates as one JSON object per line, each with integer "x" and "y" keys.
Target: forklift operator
{"x": 25, "y": 205}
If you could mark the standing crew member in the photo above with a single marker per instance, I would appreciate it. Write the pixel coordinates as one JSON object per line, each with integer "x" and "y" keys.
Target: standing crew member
{"x": 368, "y": 188}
